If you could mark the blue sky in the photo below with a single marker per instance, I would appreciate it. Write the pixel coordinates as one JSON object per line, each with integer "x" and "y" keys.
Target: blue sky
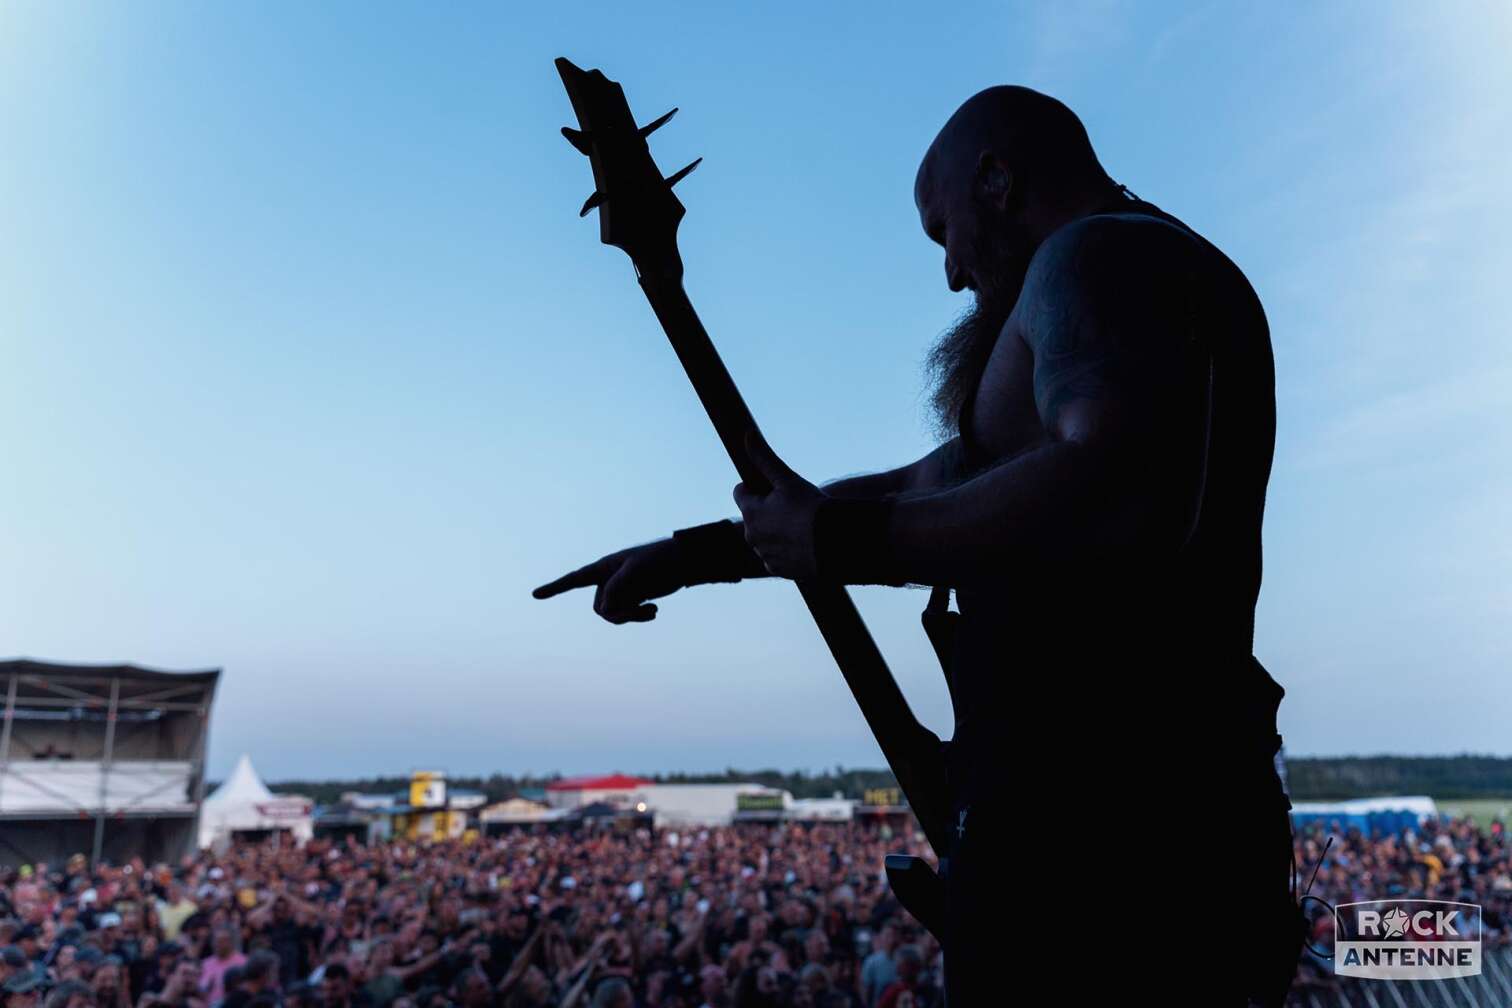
{"x": 311, "y": 372}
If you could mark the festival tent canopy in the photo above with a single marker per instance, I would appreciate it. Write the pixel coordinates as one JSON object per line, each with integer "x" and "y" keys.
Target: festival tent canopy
{"x": 243, "y": 804}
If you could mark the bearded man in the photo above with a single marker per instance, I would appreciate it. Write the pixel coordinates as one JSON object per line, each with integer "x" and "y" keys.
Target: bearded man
{"x": 1109, "y": 403}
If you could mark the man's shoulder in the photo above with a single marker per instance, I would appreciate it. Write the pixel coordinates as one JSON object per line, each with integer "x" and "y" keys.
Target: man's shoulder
{"x": 1112, "y": 248}
{"x": 1107, "y": 268}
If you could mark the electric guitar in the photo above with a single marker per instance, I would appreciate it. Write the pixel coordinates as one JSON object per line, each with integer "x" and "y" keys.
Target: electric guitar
{"x": 639, "y": 214}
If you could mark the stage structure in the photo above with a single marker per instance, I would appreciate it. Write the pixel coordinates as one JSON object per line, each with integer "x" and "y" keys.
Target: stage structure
{"x": 105, "y": 760}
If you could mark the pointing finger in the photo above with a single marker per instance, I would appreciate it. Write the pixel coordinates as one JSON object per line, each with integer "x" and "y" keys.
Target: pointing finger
{"x": 580, "y": 578}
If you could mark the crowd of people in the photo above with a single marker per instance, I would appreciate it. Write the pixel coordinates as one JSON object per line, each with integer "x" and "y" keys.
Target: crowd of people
{"x": 737, "y": 917}
{"x": 1453, "y": 860}
{"x": 752, "y": 917}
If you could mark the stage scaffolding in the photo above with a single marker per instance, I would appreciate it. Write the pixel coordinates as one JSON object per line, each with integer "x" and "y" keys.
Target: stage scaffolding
{"x": 105, "y": 760}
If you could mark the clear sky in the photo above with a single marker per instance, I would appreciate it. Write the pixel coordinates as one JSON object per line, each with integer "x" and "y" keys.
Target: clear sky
{"x": 309, "y": 370}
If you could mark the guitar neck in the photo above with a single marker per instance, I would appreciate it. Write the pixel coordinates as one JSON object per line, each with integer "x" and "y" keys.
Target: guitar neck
{"x": 711, "y": 380}
{"x": 912, "y": 751}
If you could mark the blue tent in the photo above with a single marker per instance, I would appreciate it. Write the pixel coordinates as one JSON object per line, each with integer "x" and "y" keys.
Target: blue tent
{"x": 1370, "y": 816}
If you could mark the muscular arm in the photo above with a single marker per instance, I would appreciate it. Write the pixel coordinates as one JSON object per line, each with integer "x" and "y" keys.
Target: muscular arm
{"x": 728, "y": 556}
{"x": 719, "y": 551}
{"x": 1120, "y": 384}
{"x": 934, "y": 471}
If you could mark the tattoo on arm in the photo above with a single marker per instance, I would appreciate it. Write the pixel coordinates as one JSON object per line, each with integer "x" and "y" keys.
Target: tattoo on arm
{"x": 1069, "y": 377}
{"x": 1110, "y": 330}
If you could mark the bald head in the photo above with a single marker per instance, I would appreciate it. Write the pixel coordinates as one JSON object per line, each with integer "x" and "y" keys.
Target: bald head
{"x": 1038, "y": 138}
{"x": 1010, "y": 167}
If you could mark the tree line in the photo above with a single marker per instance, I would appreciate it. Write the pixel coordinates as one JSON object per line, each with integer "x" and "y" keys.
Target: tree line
{"x": 1309, "y": 778}
{"x": 1441, "y": 777}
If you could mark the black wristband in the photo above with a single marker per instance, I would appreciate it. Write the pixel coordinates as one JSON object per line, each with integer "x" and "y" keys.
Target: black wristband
{"x": 716, "y": 552}
{"x": 851, "y": 541}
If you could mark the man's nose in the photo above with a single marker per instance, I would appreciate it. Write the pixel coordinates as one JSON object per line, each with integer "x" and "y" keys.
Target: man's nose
{"x": 955, "y": 278}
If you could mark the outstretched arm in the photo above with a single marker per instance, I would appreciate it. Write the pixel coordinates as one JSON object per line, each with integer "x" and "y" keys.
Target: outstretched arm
{"x": 625, "y": 582}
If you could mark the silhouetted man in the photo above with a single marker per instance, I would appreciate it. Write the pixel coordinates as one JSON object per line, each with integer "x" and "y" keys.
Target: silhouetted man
{"x": 1097, "y": 508}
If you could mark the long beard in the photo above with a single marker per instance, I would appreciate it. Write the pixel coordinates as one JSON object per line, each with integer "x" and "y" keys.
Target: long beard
{"x": 955, "y": 363}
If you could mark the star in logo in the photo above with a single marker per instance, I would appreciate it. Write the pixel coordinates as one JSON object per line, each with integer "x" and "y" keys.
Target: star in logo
{"x": 1395, "y": 922}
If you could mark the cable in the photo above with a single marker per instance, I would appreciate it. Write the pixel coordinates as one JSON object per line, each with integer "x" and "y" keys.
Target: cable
{"x": 1307, "y": 893}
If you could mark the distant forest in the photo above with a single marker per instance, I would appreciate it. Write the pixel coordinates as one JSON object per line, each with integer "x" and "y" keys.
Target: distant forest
{"x": 1441, "y": 777}
{"x": 1309, "y": 779}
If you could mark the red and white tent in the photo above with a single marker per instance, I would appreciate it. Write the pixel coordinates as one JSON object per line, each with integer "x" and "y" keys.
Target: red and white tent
{"x": 615, "y": 789}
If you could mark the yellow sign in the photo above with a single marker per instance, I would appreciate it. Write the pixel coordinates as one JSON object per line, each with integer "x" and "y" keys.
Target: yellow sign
{"x": 427, "y": 789}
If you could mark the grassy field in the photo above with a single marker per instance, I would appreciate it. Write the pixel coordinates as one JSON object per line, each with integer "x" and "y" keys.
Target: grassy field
{"x": 1482, "y": 809}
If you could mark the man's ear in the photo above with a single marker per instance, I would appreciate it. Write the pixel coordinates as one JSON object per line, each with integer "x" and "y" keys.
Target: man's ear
{"x": 994, "y": 179}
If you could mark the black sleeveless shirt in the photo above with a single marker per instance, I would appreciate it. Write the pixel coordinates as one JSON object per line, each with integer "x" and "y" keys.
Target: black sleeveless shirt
{"x": 1156, "y": 649}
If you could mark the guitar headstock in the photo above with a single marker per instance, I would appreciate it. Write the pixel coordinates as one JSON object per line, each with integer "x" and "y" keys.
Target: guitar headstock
{"x": 637, "y": 211}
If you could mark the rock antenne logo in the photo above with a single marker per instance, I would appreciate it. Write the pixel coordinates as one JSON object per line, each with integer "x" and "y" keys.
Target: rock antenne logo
{"x": 1396, "y": 922}
{"x": 1407, "y": 939}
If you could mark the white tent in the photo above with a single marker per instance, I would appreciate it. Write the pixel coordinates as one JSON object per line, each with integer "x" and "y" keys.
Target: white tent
{"x": 243, "y": 804}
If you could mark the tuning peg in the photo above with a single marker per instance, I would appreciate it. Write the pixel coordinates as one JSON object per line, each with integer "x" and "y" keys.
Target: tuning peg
{"x": 578, "y": 139}
{"x": 677, "y": 177}
{"x": 652, "y": 127}
{"x": 592, "y": 201}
